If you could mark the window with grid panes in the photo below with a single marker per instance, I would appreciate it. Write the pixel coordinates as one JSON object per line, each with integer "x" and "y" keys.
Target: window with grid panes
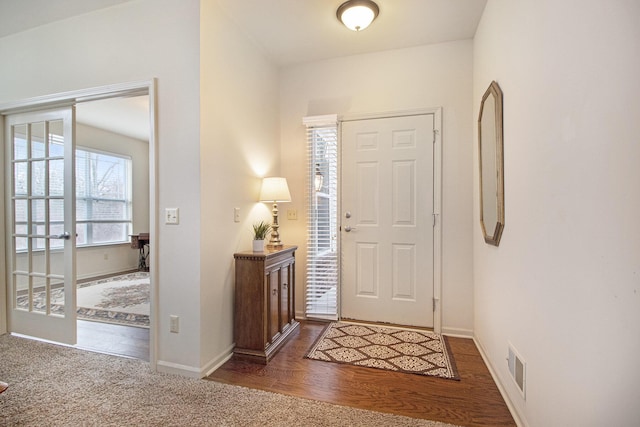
{"x": 103, "y": 199}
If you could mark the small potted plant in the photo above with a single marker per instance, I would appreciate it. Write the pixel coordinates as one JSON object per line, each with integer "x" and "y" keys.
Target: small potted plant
{"x": 260, "y": 230}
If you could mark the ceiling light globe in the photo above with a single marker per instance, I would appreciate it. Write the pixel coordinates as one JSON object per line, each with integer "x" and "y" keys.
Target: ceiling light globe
{"x": 357, "y": 18}
{"x": 357, "y": 14}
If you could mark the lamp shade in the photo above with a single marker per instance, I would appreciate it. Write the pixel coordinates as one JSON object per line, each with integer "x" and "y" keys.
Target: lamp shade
{"x": 275, "y": 189}
{"x": 356, "y": 15}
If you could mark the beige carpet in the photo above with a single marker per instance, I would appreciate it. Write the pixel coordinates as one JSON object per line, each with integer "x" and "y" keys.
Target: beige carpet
{"x": 61, "y": 386}
{"x": 395, "y": 349}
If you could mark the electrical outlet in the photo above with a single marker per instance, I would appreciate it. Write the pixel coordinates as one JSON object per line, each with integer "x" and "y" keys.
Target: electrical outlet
{"x": 172, "y": 216}
{"x": 292, "y": 214}
{"x": 174, "y": 324}
{"x": 236, "y": 214}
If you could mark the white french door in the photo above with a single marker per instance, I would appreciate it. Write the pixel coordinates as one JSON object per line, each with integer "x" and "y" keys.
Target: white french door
{"x": 387, "y": 220}
{"x": 40, "y": 153}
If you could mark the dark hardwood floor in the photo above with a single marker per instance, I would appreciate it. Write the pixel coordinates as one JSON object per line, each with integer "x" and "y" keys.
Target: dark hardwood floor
{"x": 472, "y": 401}
{"x": 120, "y": 340}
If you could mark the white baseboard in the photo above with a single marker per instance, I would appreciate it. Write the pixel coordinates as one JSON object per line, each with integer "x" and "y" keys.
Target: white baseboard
{"x": 517, "y": 417}
{"x": 457, "y": 332}
{"x": 178, "y": 369}
{"x": 193, "y": 372}
{"x": 218, "y": 361}
{"x": 110, "y": 272}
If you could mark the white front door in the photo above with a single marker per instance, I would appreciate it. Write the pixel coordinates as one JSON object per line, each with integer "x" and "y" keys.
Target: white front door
{"x": 40, "y": 153}
{"x": 387, "y": 220}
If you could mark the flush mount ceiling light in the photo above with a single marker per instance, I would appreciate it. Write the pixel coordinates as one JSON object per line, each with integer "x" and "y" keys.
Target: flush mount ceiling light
{"x": 356, "y": 15}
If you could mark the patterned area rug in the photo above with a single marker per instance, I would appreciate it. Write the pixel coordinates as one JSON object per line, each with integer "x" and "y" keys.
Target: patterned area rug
{"x": 412, "y": 351}
{"x": 120, "y": 299}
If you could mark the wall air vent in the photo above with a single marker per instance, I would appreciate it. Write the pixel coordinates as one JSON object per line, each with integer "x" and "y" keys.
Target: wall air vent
{"x": 517, "y": 369}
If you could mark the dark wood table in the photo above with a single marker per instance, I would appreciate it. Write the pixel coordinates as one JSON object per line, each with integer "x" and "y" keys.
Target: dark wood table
{"x": 141, "y": 242}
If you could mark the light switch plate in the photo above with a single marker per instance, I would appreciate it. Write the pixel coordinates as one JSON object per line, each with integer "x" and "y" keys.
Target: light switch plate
{"x": 172, "y": 216}
{"x": 174, "y": 324}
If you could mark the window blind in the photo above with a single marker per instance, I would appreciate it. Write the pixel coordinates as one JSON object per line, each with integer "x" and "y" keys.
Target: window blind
{"x": 322, "y": 228}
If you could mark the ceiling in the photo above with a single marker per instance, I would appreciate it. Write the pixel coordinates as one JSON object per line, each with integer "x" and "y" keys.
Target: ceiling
{"x": 296, "y": 31}
{"x": 21, "y": 15}
{"x": 308, "y": 30}
{"x": 126, "y": 116}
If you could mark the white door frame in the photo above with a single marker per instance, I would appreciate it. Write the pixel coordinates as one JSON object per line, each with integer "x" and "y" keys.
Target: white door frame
{"x": 437, "y": 195}
{"x": 146, "y": 87}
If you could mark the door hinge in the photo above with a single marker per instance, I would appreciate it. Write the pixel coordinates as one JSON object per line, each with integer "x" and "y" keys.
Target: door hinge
{"x": 434, "y": 304}
{"x": 435, "y": 132}
{"x": 434, "y": 219}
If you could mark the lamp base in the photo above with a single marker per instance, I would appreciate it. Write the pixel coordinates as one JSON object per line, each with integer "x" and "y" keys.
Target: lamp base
{"x": 274, "y": 242}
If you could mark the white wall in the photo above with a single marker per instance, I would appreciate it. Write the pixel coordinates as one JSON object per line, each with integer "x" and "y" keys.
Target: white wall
{"x": 421, "y": 77}
{"x": 134, "y": 41}
{"x": 239, "y": 145}
{"x": 564, "y": 284}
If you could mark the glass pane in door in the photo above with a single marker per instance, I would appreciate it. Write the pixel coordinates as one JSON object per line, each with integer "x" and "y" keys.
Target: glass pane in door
{"x": 31, "y": 217}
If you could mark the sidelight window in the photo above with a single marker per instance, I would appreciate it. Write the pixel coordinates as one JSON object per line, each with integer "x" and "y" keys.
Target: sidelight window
{"x": 322, "y": 228}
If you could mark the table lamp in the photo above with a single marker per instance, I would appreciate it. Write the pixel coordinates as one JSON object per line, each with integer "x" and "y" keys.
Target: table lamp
{"x": 275, "y": 190}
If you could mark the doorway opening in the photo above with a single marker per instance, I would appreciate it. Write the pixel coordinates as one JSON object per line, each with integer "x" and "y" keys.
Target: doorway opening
{"x": 110, "y": 147}
{"x": 112, "y": 208}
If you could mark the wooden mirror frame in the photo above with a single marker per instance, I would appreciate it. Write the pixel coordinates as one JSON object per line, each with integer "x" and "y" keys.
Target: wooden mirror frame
{"x": 491, "y": 138}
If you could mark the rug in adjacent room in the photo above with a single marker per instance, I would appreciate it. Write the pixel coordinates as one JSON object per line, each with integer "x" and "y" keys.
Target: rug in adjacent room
{"x": 395, "y": 349}
{"x": 122, "y": 300}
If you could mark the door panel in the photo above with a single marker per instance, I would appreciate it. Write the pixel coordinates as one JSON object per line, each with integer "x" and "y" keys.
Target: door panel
{"x": 284, "y": 297}
{"x": 40, "y": 218}
{"x": 367, "y": 262}
{"x": 274, "y": 303}
{"x": 387, "y": 228}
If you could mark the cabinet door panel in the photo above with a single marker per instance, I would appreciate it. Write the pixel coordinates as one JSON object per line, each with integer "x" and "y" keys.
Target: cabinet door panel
{"x": 285, "y": 297}
{"x": 273, "y": 280}
{"x": 292, "y": 291}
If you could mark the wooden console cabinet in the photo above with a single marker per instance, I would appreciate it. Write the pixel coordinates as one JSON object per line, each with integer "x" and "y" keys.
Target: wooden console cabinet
{"x": 264, "y": 302}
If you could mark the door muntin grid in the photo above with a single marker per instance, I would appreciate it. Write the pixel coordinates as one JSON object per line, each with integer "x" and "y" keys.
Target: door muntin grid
{"x": 38, "y": 179}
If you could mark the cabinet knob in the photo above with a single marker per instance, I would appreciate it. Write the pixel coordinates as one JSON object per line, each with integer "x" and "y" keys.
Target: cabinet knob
{"x": 284, "y": 285}
{"x": 275, "y": 292}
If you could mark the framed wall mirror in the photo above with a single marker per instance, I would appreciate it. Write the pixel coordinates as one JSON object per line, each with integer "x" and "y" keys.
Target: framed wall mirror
{"x": 491, "y": 165}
